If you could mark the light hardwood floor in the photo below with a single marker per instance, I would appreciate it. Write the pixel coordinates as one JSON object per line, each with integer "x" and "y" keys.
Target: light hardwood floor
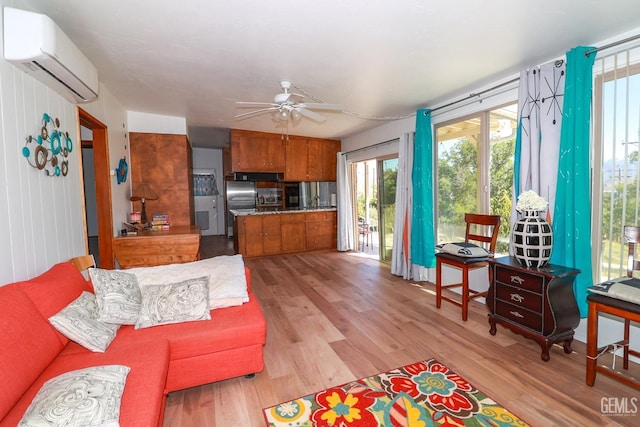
{"x": 335, "y": 317}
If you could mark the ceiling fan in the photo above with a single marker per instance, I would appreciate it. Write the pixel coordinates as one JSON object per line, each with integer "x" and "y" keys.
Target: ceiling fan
{"x": 287, "y": 106}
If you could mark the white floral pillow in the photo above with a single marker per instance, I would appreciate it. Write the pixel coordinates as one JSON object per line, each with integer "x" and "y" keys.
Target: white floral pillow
{"x": 86, "y": 397}
{"x": 174, "y": 303}
{"x": 79, "y": 322}
{"x": 117, "y": 294}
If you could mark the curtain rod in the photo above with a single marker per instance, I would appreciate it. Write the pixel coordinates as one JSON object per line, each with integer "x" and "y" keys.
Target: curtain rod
{"x": 370, "y": 146}
{"x": 475, "y": 95}
{"x": 613, "y": 44}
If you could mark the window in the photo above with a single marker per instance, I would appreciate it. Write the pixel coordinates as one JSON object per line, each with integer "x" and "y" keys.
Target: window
{"x": 475, "y": 171}
{"x": 616, "y": 181}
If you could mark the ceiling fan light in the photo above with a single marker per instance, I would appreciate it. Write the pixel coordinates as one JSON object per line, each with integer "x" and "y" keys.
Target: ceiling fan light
{"x": 284, "y": 114}
{"x": 295, "y": 115}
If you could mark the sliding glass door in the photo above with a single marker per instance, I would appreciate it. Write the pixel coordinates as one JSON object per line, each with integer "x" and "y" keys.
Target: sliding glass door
{"x": 387, "y": 178}
{"x": 376, "y": 197}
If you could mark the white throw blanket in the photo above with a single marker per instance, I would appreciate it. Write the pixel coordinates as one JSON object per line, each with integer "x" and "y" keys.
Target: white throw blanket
{"x": 227, "y": 279}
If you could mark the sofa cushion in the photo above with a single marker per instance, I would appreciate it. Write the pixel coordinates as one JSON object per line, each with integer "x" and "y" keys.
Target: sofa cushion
{"x": 79, "y": 322}
{"x": 143, "y": 398}
{"x": 229, "y": 328}
{"x": 117, "y": 294}
{"x": 79, "y": 398}
{"x": 28, "y": 342}
{"x": 54, "y": 289}
{"x": 174, "y": 303}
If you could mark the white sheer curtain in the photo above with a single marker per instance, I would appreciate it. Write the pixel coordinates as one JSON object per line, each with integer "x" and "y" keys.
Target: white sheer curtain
{"x": 346, "y": 238}
{"x": 401, "y": 255}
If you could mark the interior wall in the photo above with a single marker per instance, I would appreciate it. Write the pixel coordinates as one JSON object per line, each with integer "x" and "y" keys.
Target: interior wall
{"x": 42, "y": 217}
{"x": 155, "y": 123}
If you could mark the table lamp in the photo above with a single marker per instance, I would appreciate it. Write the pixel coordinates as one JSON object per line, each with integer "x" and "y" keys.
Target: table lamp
{"x": 143, "y": 192}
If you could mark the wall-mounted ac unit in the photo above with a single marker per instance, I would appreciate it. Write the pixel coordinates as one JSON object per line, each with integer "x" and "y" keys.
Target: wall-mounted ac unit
{"x": 35, "y": 44}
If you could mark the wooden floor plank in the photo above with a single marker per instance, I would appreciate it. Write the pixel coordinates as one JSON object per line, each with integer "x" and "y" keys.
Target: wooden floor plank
{"x": 333, "y": 317}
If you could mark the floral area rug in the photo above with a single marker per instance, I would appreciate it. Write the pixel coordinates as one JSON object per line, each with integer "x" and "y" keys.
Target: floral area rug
{"x": 422, "y": 394}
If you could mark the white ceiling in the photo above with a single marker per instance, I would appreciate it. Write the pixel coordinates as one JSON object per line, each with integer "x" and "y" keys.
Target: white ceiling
{"x": 378, "y": 58}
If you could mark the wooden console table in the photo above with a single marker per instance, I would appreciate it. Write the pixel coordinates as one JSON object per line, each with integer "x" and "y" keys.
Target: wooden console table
{"x": 538, "y": 303}
{"x": 148, "y": 248}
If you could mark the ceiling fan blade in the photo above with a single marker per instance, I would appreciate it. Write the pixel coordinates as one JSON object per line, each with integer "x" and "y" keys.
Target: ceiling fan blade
{"x": 250, "y": 104}
{"x": 255, "y": 113}
{"x": 311, "y": 115}
{"x": 321, "y": 106}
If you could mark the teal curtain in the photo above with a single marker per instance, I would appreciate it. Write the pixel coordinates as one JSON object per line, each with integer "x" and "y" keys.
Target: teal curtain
{"x": 516, "y": 168}
{"x": 423, "y": 250}
{"x": 572, "y": 222}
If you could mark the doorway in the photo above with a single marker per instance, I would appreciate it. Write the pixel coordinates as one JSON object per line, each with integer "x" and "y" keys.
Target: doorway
{"x": 375, "y": 191}
{"x": 101, "y": 176}
{"x": 387, "y": 177}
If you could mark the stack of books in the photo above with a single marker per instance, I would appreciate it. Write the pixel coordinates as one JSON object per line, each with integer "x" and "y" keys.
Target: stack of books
{"x": 160, "y": 222}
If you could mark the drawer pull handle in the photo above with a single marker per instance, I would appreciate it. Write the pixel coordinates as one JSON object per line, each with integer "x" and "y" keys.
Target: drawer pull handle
{"x": 516, "y": 314}
{"x": 517, "y": 279}
{"x": 517, "y": 297}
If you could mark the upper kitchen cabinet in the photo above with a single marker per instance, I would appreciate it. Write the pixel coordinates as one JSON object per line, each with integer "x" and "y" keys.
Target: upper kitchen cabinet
{"x": 311, "y": 159}
{"x": 323, "y": 159}
{"x": 164, "y": 162}
{"x": 257, "y": 152}
{"x": 297, "y": 159}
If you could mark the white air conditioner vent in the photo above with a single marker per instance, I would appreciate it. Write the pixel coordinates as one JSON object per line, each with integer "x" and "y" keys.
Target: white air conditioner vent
{"x": 35, "y": 44}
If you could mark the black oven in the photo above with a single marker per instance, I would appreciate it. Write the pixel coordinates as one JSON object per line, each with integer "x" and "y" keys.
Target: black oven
{"x": 292, "y": 195}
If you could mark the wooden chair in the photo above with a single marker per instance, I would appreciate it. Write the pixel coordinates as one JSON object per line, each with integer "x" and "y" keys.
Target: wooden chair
{"x": 476, "y": 223}
{"x": 83, "y": 262}
{"x": 626, "y": 310}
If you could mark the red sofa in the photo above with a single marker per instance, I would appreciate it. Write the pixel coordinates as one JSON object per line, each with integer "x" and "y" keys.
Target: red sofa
{"x": 162, "y": 358}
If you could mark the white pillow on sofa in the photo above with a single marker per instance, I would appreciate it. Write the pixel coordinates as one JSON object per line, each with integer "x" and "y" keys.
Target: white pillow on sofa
{"x": 117, "y": 295}
{"x": 174, "y": 303}
{"x": 85, "y": 397}
{"x": 79, "y": 322}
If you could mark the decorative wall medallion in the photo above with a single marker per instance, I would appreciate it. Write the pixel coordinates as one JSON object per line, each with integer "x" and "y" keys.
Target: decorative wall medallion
{"x": 49, "y": 151}
{"x": 121, "y": 171}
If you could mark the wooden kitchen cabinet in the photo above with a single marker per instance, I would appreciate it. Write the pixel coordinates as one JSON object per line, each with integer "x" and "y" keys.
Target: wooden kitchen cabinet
{"x": 322, "y": 159}
{"x": 311, "y": 159}
{"x": 284, "y": 232}
{"x": 165, "y": 163}
{"x": 297, "y": 159}
{"x": 292, "y": 232}
{"x": 537, "y": 303}
{"x": 300, "y": 158}
{"x": 320, "y": 230}
{"x": 226, "y": 162}
{"x": 259, "y": 234}
{"x": 257, "y": 152}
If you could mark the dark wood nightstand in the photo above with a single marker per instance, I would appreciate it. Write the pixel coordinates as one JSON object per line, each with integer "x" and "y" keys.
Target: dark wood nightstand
{"x": 538, "y": 303}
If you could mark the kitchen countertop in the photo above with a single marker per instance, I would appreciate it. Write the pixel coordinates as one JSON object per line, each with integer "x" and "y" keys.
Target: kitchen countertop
{"x": 271, "y": 211}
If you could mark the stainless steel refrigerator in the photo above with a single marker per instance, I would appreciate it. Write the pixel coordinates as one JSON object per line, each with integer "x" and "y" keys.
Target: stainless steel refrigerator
{"x": 240, "y": 195}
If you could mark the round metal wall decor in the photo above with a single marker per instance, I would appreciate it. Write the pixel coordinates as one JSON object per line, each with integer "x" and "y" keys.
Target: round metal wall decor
{"x": 49, "y": 150}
